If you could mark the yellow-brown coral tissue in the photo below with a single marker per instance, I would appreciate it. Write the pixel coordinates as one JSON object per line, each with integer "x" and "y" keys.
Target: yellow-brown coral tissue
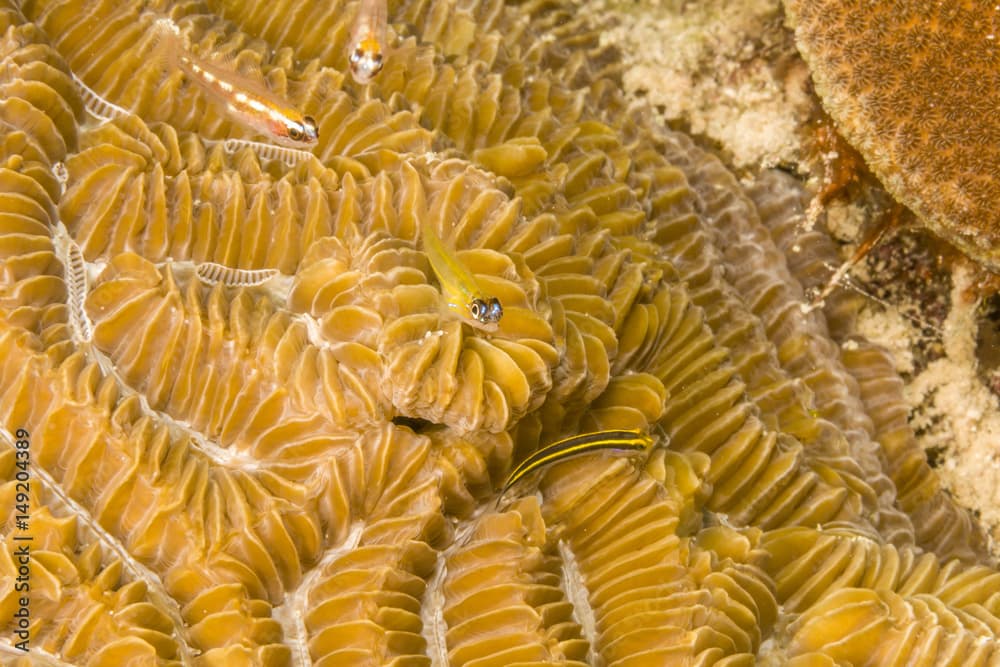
{"x": 255, "y": 437}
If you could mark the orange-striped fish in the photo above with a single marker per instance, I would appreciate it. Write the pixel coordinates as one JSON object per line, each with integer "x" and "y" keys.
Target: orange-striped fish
{"x": 368, "y": 40}
{"x": 247, "y": 99}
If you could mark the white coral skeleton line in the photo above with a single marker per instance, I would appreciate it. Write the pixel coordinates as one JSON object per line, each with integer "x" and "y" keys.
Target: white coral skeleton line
{"x": 291, "y": 613}
{"x": 79, "y": 274}
{"x": 434, "y": 628}
{"x": 69, "y": 254}
{"x": 211, "y": 273}
{"x": 156, "y": 590}
{"x": 432, "y": 606}
{"x": 38, "y": 656}
{"x": 575, "y": 588}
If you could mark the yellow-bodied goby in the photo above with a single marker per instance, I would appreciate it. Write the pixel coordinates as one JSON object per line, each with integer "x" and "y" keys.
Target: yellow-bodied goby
{"x": 459, "y": 287}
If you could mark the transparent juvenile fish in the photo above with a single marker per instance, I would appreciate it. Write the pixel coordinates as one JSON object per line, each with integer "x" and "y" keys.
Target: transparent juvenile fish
{"x": 368, "y": 41}
{"x": 212, "y": 273}
{"x": 76, "y": 289}
{"x": 97, "y": 105}
{"x": 266, "y": 151}
{"x": 459, "y": 287}
{"x": 247, "y": 99}
{"x": 585, "y": 443}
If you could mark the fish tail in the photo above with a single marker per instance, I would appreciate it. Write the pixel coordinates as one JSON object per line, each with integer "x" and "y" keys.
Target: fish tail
{"x": 167, "y": 43}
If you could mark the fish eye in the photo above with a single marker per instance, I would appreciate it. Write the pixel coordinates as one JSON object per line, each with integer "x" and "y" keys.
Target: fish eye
{"x": 495, "y": 310}
{"x": 365, "y": 63}
{"x": 478, "y": 310}
{"x": 294, "y": 132}
{"x": 311, "y": 131}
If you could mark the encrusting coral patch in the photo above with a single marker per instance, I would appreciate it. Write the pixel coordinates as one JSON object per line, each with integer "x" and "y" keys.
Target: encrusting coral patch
{"x": 259, "y": 436}
{"x": 914, "y": 87}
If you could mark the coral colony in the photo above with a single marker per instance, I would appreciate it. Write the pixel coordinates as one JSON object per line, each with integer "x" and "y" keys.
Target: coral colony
{"x": 915, "y": 87}
{"x": 255, "y": 433}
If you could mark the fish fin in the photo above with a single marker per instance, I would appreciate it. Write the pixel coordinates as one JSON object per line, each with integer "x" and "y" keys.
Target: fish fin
{"x": 249, "y": 65}
{"x": 243, "y": 61}
{"x": 244, "y": 65}
{"x": 167, "y": 43}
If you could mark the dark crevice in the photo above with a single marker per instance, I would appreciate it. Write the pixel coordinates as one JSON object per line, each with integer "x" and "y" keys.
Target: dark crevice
{"x": 415, "y": 424}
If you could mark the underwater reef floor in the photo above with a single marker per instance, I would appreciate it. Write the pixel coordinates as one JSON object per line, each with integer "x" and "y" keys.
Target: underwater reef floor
{"x": 243, "y": 423}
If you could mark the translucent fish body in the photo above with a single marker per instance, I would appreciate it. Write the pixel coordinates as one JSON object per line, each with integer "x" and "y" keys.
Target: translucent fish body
{"x": 368, "y": 41}
{"x": 246, "y": 99}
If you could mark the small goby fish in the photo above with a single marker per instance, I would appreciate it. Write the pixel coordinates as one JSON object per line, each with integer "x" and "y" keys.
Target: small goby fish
{"x": 460, "y": 288}
{"x": 368, "y": 41}
{"x": 246, "y": 99}
{"x": 585, "y": 443}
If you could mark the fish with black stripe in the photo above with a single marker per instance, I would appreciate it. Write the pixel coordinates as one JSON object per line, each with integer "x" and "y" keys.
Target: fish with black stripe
{"x": 617, "y": 440}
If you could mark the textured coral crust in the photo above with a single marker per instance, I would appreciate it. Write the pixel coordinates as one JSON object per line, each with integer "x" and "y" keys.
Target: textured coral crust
{"x": 915, "y": 87}
{"x": 364, "y": 608}
{"x": 264, "y": 439}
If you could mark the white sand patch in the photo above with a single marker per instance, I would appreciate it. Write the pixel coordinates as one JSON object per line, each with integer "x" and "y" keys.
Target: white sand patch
{"x": 727, "y": 71}
{"x": 959, "y": 415}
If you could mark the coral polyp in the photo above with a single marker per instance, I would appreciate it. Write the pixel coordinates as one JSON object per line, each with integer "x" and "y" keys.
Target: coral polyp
{"x": 254, "y": 437}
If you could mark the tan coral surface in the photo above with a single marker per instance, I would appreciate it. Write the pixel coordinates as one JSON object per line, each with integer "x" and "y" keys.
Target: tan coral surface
{"x": 255, "y": 436}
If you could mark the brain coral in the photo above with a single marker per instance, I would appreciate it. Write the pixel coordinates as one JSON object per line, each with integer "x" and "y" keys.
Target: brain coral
{"x": 915, "y": 87}
{"x": 252, "y": 436}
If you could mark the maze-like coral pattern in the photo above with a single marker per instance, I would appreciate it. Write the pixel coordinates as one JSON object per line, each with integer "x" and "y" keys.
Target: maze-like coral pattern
{"x": 259, "y": 439}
